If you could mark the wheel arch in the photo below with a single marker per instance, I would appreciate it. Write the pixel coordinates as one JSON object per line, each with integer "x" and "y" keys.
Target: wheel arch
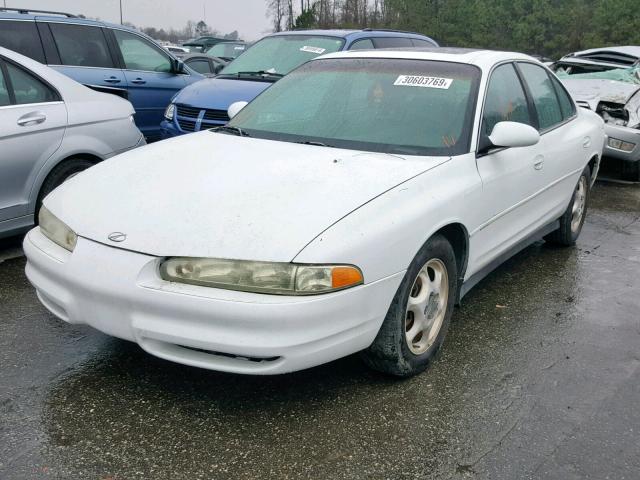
{"x": 44, "y": 175}
{"x": 458, "y": 236}
{"x": 594, "y": 167}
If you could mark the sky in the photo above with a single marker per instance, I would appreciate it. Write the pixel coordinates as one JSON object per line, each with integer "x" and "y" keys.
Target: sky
{"x": 249, "y": 17}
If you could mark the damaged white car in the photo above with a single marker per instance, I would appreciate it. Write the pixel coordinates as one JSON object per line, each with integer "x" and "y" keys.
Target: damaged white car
{"x": 607, "y": 81}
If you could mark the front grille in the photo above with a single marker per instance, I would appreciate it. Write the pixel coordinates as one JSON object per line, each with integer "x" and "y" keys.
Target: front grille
{"x": 188, "y": 117}
{"x": 216, "y": 115}
{"x": 184, "y": 111}
{"x": 186, "y": 125}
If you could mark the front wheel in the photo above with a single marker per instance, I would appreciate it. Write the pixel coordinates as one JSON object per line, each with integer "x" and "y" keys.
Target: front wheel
{"x": 573, "y": 218}
{"x": 419, "y": 316}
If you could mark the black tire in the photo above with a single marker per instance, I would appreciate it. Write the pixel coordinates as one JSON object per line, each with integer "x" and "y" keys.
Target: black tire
{"x": 565, "y": 235}
{"x": 631, "y": 171}
{"x": 60, "y": 174}
{"x": 390, "y": 352}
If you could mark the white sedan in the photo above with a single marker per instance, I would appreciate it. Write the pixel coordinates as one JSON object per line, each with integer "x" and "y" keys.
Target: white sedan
{"x": 346, "y": 209}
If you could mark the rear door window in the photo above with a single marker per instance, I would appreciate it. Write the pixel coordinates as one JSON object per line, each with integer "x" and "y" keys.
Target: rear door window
{"x": 22, "y": 37}
{"x": 392, "y": 42}
{"x": 29, "y": 89}
{"x": 544, "y": 95}
{"x": 138, "y": 54}
{"x": 362, "y": 44}
{"x": 418, "y": 42}
{"x": 81, "y": 46}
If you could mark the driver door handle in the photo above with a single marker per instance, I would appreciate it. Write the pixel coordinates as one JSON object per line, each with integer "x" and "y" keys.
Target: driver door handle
{"x": 139, "y": 81}
{"x": 33, "y": 118}
{"x": 112, "y": 80}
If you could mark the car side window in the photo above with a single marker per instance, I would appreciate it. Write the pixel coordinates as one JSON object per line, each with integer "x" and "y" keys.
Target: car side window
{"x": 418, "y": 42}
{"x": 4, "y": 89}
{"x": 544, "y": 95}
{"x": 505, "y": 100}
{"x": 392, "y": 42}
{"x": 138, "y": 54}
{"x": 22, "y": 37}
{"x": 200, "y": 66}
{"x": 27, "y": 88}
{"x": 362, "y": 44}
{"x": 81, "y": 46}
{"x": 566, "y": 104}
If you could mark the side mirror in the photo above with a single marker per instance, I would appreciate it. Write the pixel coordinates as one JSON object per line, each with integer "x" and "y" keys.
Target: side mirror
{"x": 513, "y": 134}
{"x": 177, "y": 66}
{"x": 235, "y": 108}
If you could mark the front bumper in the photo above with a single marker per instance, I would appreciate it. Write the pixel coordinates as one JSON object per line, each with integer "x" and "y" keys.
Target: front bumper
{"x": 625, "y": 134}
{"x": 120, "y": 293}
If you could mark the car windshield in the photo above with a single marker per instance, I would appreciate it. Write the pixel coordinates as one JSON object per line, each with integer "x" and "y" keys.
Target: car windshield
{"x": 280, "y": 54}
{"x": 226, "y": 50}
{"x": 627, "y": 75}
{"x": 413, "y": 107}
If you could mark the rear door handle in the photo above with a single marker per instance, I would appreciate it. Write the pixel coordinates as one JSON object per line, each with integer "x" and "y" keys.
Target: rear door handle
{"x": 32, "y": 118}
{"x": 139, "y": 81}
{"x": 112, "y": 80}
{"x": 539, "y": 163}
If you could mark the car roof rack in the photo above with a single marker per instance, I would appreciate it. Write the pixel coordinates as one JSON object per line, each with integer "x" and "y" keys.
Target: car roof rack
{"x": 26, "y": 11}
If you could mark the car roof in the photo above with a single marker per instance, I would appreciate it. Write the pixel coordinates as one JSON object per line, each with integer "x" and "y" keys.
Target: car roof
{"x": 484, "y": 59}
{"x": 63, "y": 18}
{"x": 353, "y": 34}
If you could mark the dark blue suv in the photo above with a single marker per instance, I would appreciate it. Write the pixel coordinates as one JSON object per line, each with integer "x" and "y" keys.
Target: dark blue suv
{"x": 204, "y": 104}
{"x": 106, "y": 57}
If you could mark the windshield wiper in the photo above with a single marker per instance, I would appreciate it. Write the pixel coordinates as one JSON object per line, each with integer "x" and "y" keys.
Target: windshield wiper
{"x": 317, "y": 144}
{"x": 263, "y": 73}
{"x": 233, "y": 130}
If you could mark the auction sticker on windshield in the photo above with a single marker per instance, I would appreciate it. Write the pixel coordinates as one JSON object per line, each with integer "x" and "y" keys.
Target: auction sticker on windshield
{"x": 420, "y": 81}
{"x": 315, "y": 50}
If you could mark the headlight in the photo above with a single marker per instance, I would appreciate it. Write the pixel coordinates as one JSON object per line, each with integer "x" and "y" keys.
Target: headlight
{"x": 56, "y": 231}
{"x": 621, "y": 144}
{"x": 261, "y": 277}
{"x": 170, "y": 112}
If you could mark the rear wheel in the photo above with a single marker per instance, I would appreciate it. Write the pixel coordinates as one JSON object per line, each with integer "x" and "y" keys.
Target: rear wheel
{"x": 60, "y": 174}
{"x": 573, "y": 218}
{"x": 419, "y": 316}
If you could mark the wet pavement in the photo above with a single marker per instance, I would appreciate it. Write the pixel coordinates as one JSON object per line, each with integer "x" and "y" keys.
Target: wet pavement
{"x": 539, "y": 378}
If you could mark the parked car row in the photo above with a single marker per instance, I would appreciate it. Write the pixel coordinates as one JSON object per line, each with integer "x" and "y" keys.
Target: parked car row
{"x": 260, "y": 243}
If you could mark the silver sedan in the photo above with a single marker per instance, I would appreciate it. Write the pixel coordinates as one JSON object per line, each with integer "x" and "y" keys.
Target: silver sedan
{"x": 51, "y": 128}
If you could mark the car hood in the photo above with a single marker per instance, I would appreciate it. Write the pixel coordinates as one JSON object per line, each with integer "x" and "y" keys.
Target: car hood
{"x": 219, "y": 93}
{"x": 593, "y": 91}
{"x": 216, "y": 195}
